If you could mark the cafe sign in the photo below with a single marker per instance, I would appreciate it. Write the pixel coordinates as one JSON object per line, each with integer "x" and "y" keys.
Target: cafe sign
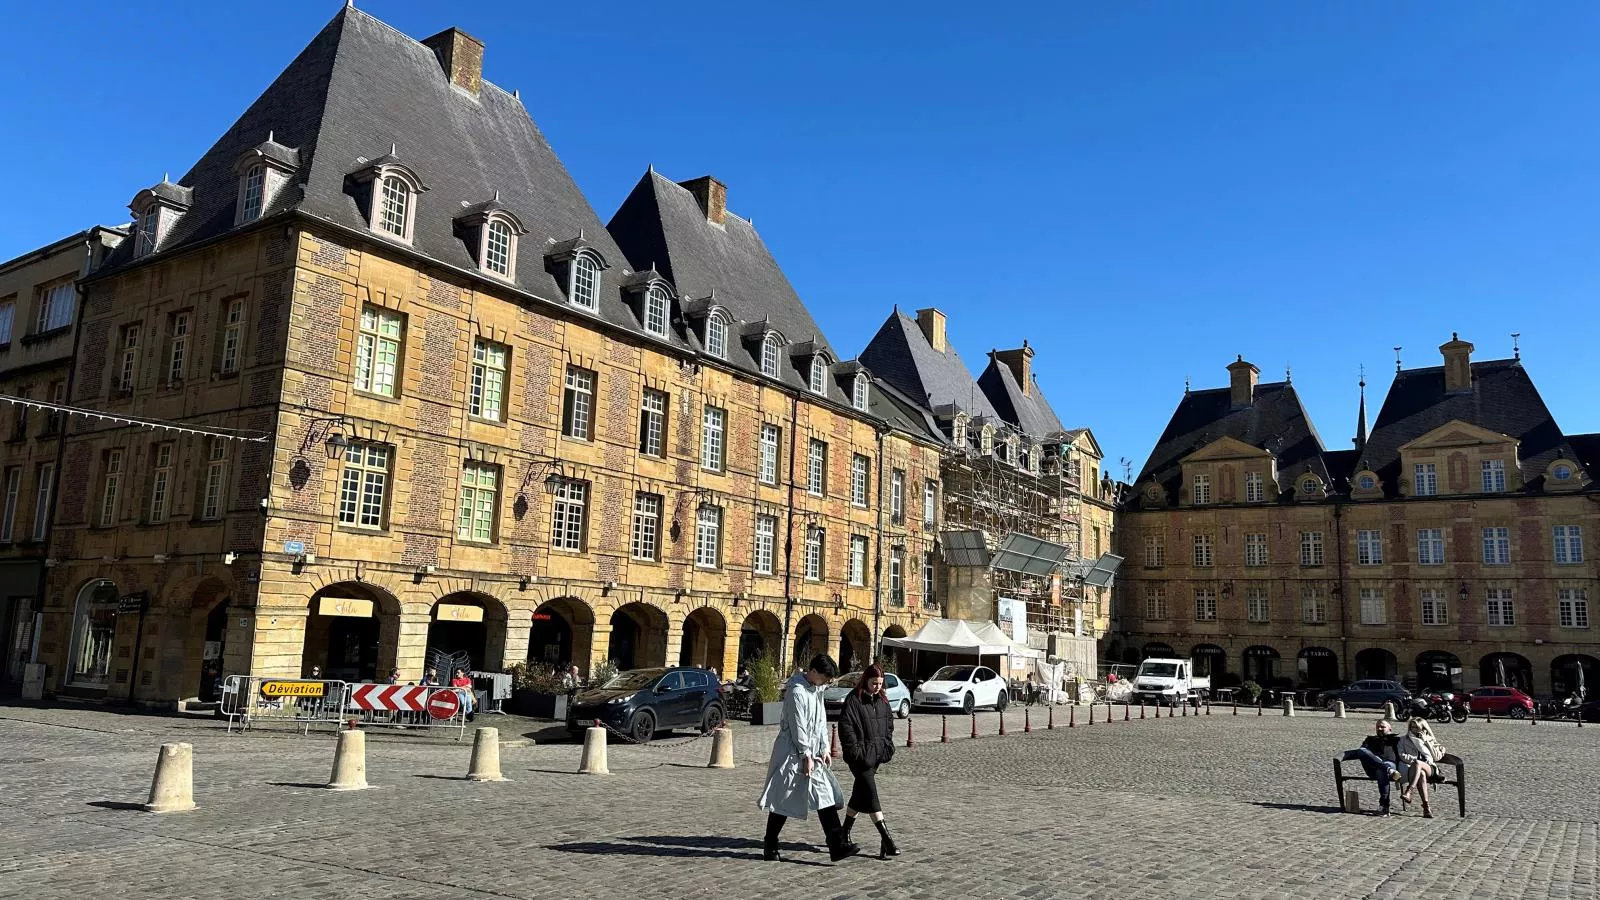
{"x": 345, "y": 606}
{"x": 455, "y": 612}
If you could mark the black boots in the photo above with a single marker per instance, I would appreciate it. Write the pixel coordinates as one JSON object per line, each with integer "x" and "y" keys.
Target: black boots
{"x": 769, "y": 846}
{"x": 887, "y": 849}
{"x": 839, "y": 845}
{"x": 849, "y": 823}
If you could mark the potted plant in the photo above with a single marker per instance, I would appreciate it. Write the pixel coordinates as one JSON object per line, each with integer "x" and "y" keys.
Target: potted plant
{"x": 1248, "y": 693}
{"x": 536, "y": 693}
{"x": 766, "y": 687}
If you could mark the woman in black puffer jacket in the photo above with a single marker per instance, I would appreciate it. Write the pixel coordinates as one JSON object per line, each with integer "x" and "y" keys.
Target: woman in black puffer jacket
{"x": 866, "y": 734}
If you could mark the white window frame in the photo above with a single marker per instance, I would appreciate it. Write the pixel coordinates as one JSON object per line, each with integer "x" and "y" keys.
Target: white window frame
{"x": 1254, "y": 488}
{"x": 1494, "y": 476}
{"x": 859, "y": 479}
{"x": 815, "y": 542}
{"x": 897, "y": 496}
{"x": 708, "y": 537}
{"x": 1369, "y": 547}
{"x": 817, "y": 468}
{"x": 653, "y": 406}
{"x": 479, "y": 509}
{"x": 1374, "y": 611}
{"x": 364, "y": 485}
{"x": 818, "y": 379}
{"x": 1205, "y": 551}
{"x": 713, "y": 439}
{"x": 1205, "y": 605}
{"x": 1572, "y": 607}
{"x": 147, "y": 230}
{"x": 569, "y": 516}
{"x": 1496, "y": 546}
{"x": 1313, "y": 607}
{"x": 43, "y": 492}
{"x": 58, "y": 305}
{"x": 771, "y": 442}
{"x": 1499, "y": 609}
{"x": 255, "y": 193}
{"x": 765, "y": 544}
{"x": 1424, "y": 480}
{"x": 1155, "y": 551}
{"x": 486, "y": 392}
{"x": 1255, "y": 550}
{"x": 394, "y": 205}
{"x": 1568, "y": 543}
{"x": 232, "y": 333}
{"x": 178, "y": 347}
{"x": 769, "y": 356}
{"x": 1430, "y": 546}
{"x": 578, "y": 404}
{"x": 930, "y": 502}
{"x": 379, "y": 343}
{"x": 499, "y": 247}
{"x": 1435, "y": 608}
{"x": 929, "y": 579}
{"x": 1311, "y": 549}
{"x": 657, "y": 308}
{"x": 717, "y": 336}
{"x": 128, "y": 369}
{"x": 859, "y": 395}
{"x": 216, "y": 479}
{"x": 585, "y": 286}
{"x": 1257, "y": 605}
{"x": 111, "y": 487}
{"x": 160, "y": 481}
{"x": 858, "y": 560}
{"x": 1155, "y": 602}
{"x": 8, "y": 517}
{"x": 897, "y": 574}
{"x": 645, "y": 543}
{"x": 1201, "y": 494}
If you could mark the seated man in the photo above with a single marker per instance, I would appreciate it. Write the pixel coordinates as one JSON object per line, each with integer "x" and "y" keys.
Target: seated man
{"x": 1378, "y": 760}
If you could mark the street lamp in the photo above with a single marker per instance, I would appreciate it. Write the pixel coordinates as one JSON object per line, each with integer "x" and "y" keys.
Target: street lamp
{"x": 1464, "y": 593}
{"x": 336, "y": 445}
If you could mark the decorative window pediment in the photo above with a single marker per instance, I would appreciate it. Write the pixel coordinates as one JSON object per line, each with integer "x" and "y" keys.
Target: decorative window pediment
{"x": 768, "y": 349}
{"x": 389, "y": 189}
{"x": 576, "y": 263}
{"x": 490, "y": 231}
{"x": 1366, "y": 484}
{"x": 651, "y": 296}
{"x": 1308, "y": 486}
{"x": 263, "y": 170}
{"x": 155, "y": 211}
{"x": 1564, "y": 475}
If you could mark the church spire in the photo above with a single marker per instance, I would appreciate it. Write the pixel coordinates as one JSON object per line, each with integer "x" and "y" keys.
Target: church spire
{"x": 1361, "y": 417}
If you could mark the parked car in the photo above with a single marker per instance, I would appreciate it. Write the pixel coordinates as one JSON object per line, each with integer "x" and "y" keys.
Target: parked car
{"x": 894, "y": 690}
{"x": 962, "y": 687}
{"x": 1173, "y": 681}
{"x": 1590, "y": 712}
{"x": 1370, "y": 693}
{"x": 1500, "y": 701}
{"x": 642, "y": 702}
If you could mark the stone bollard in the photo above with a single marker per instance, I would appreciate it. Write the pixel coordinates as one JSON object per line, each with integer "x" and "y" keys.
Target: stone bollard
{"x": 485, "y": 765}
{"x": 833, "y": 748}
{"x": 172, "y": 788}
{"x": 1141, "y": 709}
{"x": 1389, "y": 710}
{"x": 593, "y": 761}
{"x": 974, "y": 724}
{"x": 1050, "y": 719}
{"x": 1001, "y": 713}
{"x": 1172, "y": 711}
{"x": 1091, "y": 714}
{"x": 1338, "y": 709}
{"x": 944, "y": 729}
{"x": 1236, "y": 707}
{"x": 1185, "y": 705}
{"x": 721, "y": 749}
{"x": 910, "y": 742}
{"x": 350, "y": 762}
{"x": 1027, "y": 722}
{"x": 1288, "y": 707}
{"x": 1208, "y": 707}
{"x": 1072, "y": 716}
{"x": 1127, "y": 712}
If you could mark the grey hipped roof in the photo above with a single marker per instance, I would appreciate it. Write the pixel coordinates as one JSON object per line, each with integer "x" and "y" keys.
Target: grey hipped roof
{"x": 901, "y": 355}
{"x": 1031, "y": 411}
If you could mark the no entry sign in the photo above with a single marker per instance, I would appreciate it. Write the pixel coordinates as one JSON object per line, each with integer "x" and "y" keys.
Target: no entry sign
{"x": 444, "y": 705}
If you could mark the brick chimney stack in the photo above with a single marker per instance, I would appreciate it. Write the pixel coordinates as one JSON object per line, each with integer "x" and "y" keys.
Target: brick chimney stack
{"x": 461, "y": 55}
{"x": 931, "y": 321}
{"x": 1242, "y": 378}
{"x": 1020, "y": 362}
{"x": 712, "y": 195}
{"x": 1457, "y": 364}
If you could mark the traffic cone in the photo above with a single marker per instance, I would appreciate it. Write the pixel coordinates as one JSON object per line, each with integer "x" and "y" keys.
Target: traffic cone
{"x": 1027, "y": 723}
{"x": 172, "y": 788}
{"x": 485, "y": 765}
{"x": 910, "y": 741}
{"x": 944, "y": 729}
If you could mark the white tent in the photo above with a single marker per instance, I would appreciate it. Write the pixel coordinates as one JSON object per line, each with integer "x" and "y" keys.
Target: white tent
{"x": 963, "y": 637}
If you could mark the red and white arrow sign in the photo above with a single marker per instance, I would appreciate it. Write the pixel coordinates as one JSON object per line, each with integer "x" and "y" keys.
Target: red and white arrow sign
{"x": 389, "y": 697}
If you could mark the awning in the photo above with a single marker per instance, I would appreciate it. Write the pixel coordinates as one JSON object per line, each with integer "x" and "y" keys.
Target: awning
{"x": 962, "y": 636}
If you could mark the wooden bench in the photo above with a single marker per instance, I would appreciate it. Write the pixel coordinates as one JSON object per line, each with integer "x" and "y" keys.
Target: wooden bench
{"x": 1449, "y": 760}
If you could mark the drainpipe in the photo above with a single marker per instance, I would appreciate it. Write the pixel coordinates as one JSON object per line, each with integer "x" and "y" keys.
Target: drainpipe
{"x": 788, "y": 534}
{"x": 1344, "y": 629}
{"x": 877, "y": 560}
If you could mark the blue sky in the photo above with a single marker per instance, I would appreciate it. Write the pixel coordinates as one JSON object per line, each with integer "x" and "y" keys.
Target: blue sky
{"x": 1142, "y": 190}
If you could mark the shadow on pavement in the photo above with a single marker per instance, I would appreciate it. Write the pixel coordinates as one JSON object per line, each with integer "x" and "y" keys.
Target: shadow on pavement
{"x": 708, "y": 847}
{"x": 297, "y": 784}
{"x": 116, "y": 804}
{"x": 1298, "y": 807}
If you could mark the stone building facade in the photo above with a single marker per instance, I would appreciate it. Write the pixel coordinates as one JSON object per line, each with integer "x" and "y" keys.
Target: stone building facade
{"x": 1452, "y": 547}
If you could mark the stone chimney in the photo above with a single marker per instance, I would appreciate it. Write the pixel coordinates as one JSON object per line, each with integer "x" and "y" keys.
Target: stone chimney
{"x": 931, "y": 321}
{"x": 1242, "y": 378}
{"x": 1020, "y": 362}
{"x": 712, "y": 195}
{"x": 1457, "y": 364}
{"x": 461, "y": 55}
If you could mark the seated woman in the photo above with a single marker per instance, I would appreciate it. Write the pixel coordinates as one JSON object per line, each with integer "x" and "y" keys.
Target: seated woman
{"x": 1420, "y": 753}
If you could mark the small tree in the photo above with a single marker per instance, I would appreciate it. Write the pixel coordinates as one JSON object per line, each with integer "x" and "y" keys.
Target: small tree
{"x": 886, "y": 662}
{"x": 764, "y": 680}
{"x": 602, "y": 673}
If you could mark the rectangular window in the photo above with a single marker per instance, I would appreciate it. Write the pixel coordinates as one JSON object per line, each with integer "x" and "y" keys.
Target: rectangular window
{"x": 128, "y": 366}
{"x": 646, "y": 526}
{"x": 486, "y": 397}
{"x": 216, "y": 477}
{"x": 364, "y": 485}
{"x": 1496, "y": 547}
{"x": 8, "y": 313}
{"x": 41, "y": 500}
{"x": 1155, "y": 551}
{"x": 8, "y": 518}
{"x": 569, "y": 515}
{"x": 480, "y": 486}
{"x": 653, "y": 423}
{"x": 1501, "y": 615}
{"x": 771, "y": 437}
{"x": 378, "y": 351}
{"x": 1425, "y": 480}
{"x": 858, "y": 559}
{"x": 1254, "y": 490}
{"x": 713, "y": 427}
{"x": 929, "y": 588}
{"x": 1430, "y": 546}
{"x": 1313, "y": 609}
{"x": 1573, "y": 605}
{"x": 766, "y": 537}
{"x": 708, "y": 537}
{"x": 1204, "y": 546}
{"x": 897, "y": 496}
{"x": 1311, "y": 548}
{"x": 858, "y": 479}
{"x": 110, "y": 488}
{"x": 577, "y": 404}
{"x": 1255, "y": 549}
{"x": 160, "y": 482}
{"x": 1256, "y": 606}
{"x": 178, "y": 348}
{"x": 813, "y": 561}
{"x": 1494, "y": 476}
{"x": 897, "y": 574}
{"x": 1373, "y": 611}
{"x": 930, "y": 502}
{"x": 1202, "y": 489}
{"x": 817, "y": 468}
{"x": 1568, "y": 544}
{"x": 1369, "y": 547}
{"x": 1434, "y": 609}
{"x": 1205, "y": 605}
{"x": 232, "y": 331}
{"x": 54, "y": 419}
{"x": 58, "y": 305}
{"x": 1155, "y": 602}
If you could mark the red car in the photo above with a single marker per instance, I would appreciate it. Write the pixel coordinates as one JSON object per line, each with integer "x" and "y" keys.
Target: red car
{"x": 1500, "y": 701}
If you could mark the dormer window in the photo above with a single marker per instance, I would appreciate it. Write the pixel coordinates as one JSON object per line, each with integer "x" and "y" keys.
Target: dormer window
{"x": 819, "y": 374}
{"x": 490, "y": 232}
{"x": 262, "y": 170}
{"x": 986, "y": 440}
{"x": 392, "y": 198}
{"x": 717, "y": 335}
{"x": 394, "y": 212}
{"x": 255, "y": 182}
{"x": 155, "y": 211}
{"x": 858, "y": 392}
{"x": 497, "y": 248}
{"x": 958, "y": 431}
{"x": 585, "y": 282}
{"x": 655, "y": 310}
{"x": 769, "y": 356}
{"x": 147, "y": 236}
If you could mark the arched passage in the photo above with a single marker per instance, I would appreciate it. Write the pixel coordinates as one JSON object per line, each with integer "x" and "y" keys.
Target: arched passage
{"x": 638, "y": 637}
{"x": 351, "y": 632}
{"x": 1210, "y": 661}
{"x": 899, "y": 658}
{"x": 467, "y": 626}
{"x": 1574, "y": 673}
{"x": 562, "y": 634}
{"x": 1157, "y": 650}
{"x": 855, "y": 646}
{"x": 1260, "y": 664}
{"x": 704, "y": 634}
{"x": 1438, "y": 671}
{"x": 1375, "y": 662}
{"x": 94, "y": 630}
{"x": 1319, "y": 667}
{"x": 1507, "y": 670}
{"x": 760, "y": 634}
{"x": 810, "y": 638}
{"x": 198, "y": 645}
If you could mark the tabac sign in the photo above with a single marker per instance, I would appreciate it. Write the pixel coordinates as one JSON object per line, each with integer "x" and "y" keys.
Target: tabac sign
{"x": 292, "y": 688}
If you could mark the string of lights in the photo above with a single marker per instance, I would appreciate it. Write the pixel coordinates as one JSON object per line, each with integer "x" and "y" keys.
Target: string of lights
{"x": 231, "y": 434}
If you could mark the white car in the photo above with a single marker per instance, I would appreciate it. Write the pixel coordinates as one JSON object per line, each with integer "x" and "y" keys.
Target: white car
{"x": 964, "y": 688}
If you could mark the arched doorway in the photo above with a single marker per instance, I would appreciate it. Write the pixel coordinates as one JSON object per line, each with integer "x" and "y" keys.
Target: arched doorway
{"x": 562, "y": 634}
{"x": 1157, "y": 650}
{"x": 855, "y": 646}
{"x": 810, "y": 638}
{"x": 1319, "y": 667}
{"x": 638, "y": 637}
{"x": 1210, "y": 661}
{"x": 1507, "y": 670}
{"x": 704, "y": 635}
{"x": 94, "y": 630}
{"x": 1574, "y": 673}
{"x": 470, "y": 627}
{"x": 1375, "y": 662}
{"x": 351, "y": 632}
{"x": 1260, "y": 665}
{"x": 897, "y": 658}
{"x": 1438, "y": 671}
{"x": 761, "y": 634}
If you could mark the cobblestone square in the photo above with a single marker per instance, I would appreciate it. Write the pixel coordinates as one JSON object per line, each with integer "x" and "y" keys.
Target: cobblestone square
{"x": 1210, "y": 806}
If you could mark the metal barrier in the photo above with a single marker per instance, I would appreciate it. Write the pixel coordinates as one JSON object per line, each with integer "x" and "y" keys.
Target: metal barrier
{"x": 410, "y": 706}
{"x": 251, "y": 700}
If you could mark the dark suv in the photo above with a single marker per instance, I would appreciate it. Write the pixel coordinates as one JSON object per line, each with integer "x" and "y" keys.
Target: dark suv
{"x": 641, "y": 702}
{"x": 1370, "y": 693}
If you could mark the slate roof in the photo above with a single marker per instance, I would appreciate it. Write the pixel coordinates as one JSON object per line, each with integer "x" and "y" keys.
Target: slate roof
{"x": 901, "y": 355}
{"x": 1503, "y": 399}
{"x": 1341, "y": 466}
{"x": 1587, "y": 447}
{"x": 1030, "y": 412}
{"x": 1276, "y": 422}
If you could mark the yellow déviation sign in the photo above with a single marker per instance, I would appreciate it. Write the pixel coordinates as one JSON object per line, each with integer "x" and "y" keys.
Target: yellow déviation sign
{"x": 291, "y": 689}
{"x": 345, "y": 606}
{"x": 453, "y": 612}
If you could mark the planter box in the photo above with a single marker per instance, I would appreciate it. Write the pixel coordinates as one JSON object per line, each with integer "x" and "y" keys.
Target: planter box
{"x": 766, "y": 713}
{"x": 538, "y": 706}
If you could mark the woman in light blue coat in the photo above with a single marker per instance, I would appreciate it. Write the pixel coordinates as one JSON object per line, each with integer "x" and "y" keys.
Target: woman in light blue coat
{"x": 798, "y": 777}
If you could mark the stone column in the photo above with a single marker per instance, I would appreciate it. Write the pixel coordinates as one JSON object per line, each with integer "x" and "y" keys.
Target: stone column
{"x": 403, "y": 644}
{"x": 518, "y": 625}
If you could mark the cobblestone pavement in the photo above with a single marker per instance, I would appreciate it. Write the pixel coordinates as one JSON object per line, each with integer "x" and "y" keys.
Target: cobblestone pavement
{"x": 1210, "y": 807}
